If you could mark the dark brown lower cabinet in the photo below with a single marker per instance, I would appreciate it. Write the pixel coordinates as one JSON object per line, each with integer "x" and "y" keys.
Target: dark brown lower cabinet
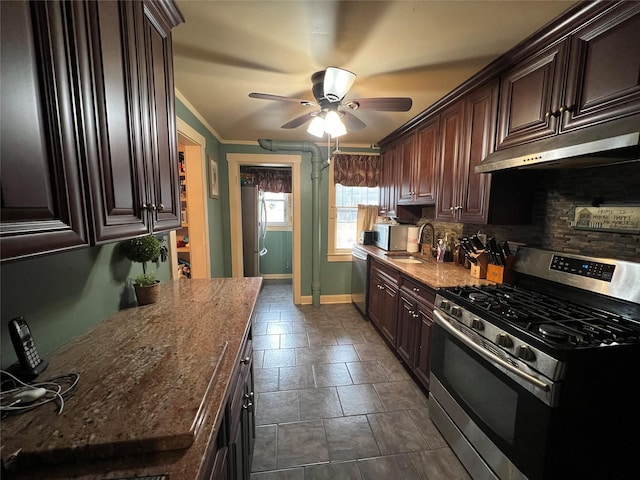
{"x": 383, "y": 300}
{"x": 415, "y": 319}
{"x": 401, "y": 308}
{"x": 230, "y": 454}
{"x": 241, "y": 419}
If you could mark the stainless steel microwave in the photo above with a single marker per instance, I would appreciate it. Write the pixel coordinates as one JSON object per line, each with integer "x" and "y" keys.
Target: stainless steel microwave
{"x": 391, "y": 237}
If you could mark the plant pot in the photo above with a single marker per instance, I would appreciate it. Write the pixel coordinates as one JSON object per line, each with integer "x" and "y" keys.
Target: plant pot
{"x": 147, "y": 294}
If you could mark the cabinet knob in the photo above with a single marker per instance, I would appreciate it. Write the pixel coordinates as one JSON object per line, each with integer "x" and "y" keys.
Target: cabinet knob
{"x": 565, "y": 108}
{"x": 248, "y": 406}
{"x": 452, "y": 209}
{"x": 248, "y": 395}
{"x": 415, "y": 315}
{"x": 150, "y": 207}
{"x": 416, "y": 289}
{"x": 245, "y": 360}
{"x": 552, "y": 114}
{"x": 160, "y": 207}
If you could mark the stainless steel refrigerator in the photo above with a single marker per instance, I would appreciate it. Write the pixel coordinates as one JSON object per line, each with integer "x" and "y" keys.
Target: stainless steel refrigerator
{"x": 254, "y": 228}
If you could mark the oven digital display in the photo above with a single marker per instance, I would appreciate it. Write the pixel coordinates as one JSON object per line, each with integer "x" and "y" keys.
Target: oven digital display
{"x": 584, "y": 268}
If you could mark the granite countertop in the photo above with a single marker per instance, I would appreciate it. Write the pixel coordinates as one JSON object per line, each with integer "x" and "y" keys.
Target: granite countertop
{"x": 431, "y": 273}
{"x": 152, "y": 389}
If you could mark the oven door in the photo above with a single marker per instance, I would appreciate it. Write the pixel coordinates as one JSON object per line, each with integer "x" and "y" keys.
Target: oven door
{"x": 493, "y": 411}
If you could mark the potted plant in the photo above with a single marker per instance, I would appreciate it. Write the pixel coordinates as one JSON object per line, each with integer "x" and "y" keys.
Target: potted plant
{"x": 143, "y": 250}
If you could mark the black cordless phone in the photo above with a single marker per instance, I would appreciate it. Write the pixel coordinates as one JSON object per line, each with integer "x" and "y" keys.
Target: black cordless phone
{"x": 31, "y": 365}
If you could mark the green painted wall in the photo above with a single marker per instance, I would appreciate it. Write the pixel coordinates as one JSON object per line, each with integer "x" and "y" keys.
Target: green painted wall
{"x": 218, "y": 234}
{"x": 65, "y": 294}
{"x": 277, "y": 260}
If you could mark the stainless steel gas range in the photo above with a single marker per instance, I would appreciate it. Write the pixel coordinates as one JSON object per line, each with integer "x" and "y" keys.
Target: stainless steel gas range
{"x": 539, "y": 380}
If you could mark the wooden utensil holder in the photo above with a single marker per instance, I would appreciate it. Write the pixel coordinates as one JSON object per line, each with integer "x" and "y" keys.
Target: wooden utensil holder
{"x": 501, "y": 273}
{"x": 479, "y": 269}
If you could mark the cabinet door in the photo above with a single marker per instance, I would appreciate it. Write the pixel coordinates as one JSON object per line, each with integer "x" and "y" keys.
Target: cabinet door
{"x": 406, "y": 169}
{"x": 603, "y": 81}
{"x": 162, "y": 170}
{"x": 387, "y": 196}
{"x": 449, "y": 162}
{"x": 530, "y": 98}
{"x": 388, "y": 320}
{"x": 426, "y": 158}
{"x": 423, "y": 348}
{"x": 375, "y": 297}
{"x": 480, "y": 130}
{"x": 113, "y": 115}
{"x": 41, "y": 187}
{"x": 407, "y": 323}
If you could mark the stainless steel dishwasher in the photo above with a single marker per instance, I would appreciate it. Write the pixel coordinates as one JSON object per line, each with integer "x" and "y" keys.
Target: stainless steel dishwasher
{"x": 359, "y": 279}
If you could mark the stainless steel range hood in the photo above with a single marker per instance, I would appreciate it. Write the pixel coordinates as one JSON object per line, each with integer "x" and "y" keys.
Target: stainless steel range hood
{"x": 617, "y": 141}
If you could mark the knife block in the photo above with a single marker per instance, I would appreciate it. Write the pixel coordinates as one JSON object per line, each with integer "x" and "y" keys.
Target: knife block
{"x": 479, "y": 269}
{"x": 500, "y": 273}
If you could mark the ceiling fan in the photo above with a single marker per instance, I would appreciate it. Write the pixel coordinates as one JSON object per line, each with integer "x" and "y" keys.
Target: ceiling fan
{"x": 334, "y": 117}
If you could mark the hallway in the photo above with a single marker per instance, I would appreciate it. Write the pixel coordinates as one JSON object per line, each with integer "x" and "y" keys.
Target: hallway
{"x": 333, "y": 402}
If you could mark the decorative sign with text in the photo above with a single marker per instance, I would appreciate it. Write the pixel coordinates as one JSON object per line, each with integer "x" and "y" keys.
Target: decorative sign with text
{"x": 618, "y": 218}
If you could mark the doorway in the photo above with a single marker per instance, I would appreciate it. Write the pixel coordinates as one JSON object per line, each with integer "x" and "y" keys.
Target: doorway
{"x": 190, "y": 244}
{"x": 235, "y": 161}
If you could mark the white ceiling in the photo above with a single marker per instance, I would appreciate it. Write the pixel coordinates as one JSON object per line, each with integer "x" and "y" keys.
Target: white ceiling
{"x": 418, "y": 49}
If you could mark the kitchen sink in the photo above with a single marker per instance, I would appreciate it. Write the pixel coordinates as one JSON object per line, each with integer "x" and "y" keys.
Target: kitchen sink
{"x": 405, "y": 259}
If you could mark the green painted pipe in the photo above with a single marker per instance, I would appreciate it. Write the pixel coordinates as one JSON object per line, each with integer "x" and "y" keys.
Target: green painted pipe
{"x": 316, "y": 177}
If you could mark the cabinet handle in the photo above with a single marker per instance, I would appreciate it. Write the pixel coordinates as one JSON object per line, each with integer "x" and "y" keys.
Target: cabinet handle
{"x": 245, "y": 360}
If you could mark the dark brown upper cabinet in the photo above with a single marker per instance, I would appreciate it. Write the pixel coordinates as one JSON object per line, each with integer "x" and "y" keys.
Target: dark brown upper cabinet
{"x": 127, "y": 81}
{"x": 42, "y": 189}
{"x": 603, "y": 80}
{"x": 417, "y": 165}
{"x": 467, "y": 136}
{"x": 449, "y": 166}
{"x": 95, "y": 148}
{"x": 588, "y": 78}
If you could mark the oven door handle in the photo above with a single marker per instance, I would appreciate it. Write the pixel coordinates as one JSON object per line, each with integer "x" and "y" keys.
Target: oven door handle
{"x": 440, "y": 320}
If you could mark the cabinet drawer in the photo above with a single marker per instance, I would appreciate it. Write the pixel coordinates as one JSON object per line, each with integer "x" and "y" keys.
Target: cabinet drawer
{"x": 421, "y": 292}
{"x": 389, "y": 273}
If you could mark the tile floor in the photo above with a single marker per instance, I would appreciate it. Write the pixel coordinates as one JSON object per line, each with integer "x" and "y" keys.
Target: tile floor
{"x": 333, "y": 402}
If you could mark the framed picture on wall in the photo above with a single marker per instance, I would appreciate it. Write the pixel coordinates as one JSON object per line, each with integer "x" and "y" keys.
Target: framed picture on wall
{"x": 214, "y": 187}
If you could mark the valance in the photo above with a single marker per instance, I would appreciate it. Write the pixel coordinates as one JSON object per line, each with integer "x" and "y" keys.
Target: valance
{"x": 356, "y": 170}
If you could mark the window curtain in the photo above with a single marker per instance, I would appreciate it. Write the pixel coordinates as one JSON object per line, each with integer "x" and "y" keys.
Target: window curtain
{"x": 356, "y": 170}
{"x": 276, "y": 180}
{"x": 367, "y": 216}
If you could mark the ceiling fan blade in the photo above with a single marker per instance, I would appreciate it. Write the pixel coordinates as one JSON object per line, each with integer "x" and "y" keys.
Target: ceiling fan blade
{"x": 337, "y": 83}
{"x": 352, "y": 122}
{"x": 278, "y": 98}
{"x": 382, "y": 104}
{"x": 302, "y": 119}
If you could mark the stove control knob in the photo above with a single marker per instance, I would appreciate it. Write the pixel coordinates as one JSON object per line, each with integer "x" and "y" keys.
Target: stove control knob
{"x": 476, "y": 324}
{"x": 456, "y": 311}
{"x": 504, "y": 340}
{"x": 444, "y": 305}
{"x": 526, "y": 353}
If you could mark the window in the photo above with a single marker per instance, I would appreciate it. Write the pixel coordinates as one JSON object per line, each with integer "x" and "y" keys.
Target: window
{"x": 343, "y": 214}
{"x": 278, "y": 209}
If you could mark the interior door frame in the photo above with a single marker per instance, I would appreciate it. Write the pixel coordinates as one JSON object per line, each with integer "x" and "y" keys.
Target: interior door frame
{"x": 197, "y": 173}
{"x": 234, "y": 161}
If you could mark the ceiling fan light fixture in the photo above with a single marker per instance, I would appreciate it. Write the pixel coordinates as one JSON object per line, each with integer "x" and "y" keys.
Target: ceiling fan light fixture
{"x": 337, "y": 83}
{"x": 316, "y": 127}
{"x": 333, "y": 124}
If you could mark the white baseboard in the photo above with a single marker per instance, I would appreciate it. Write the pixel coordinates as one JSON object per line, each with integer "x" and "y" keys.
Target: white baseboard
{"x": 326, "y": 299}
